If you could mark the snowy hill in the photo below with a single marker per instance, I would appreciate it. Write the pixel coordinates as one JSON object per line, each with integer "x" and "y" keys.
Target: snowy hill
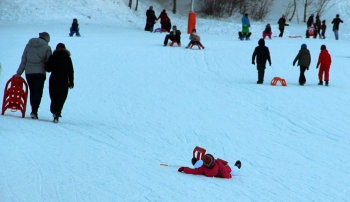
{"x": 137, "y": 104}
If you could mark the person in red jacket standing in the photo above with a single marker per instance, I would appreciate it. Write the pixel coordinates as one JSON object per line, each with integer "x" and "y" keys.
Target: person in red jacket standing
{"x": 211, "y": 168}
{"x": 164, "y": 21}
{"x": 325, "y": 60}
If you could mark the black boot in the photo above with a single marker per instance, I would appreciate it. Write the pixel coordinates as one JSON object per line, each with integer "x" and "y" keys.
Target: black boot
{"x": 326, "y": 83}
{"x": 320, "y": 83}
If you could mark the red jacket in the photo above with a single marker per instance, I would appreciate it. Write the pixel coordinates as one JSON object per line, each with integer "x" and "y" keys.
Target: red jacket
{"x": 163, "y": 18}
{"x": 219, "y": 170}
{"x": 324, "y": 58}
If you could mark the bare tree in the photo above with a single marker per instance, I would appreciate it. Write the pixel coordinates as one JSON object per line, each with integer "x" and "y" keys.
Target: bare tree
{"x": 322, "y": 6}
{"x": 137, "y": 5}
{"x": 294, "y": 9}
{"x": 174, "y": 6}
{"x": 306, "y": 4}
{"x": 130, "y": 3}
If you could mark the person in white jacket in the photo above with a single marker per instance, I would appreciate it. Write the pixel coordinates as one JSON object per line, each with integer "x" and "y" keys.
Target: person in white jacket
{"x": 195, "y": 39}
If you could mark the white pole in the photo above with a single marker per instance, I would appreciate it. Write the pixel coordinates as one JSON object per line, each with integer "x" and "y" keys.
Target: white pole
{"x": 192, "y": 5}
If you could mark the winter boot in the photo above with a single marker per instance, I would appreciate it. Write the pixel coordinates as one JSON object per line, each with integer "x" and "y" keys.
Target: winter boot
{"x": 34, "y": 115}
{"x": 238, "y": 164}
{"x": 320, "y": 83}
{"x": 326, "y": 83}
{"x": 55, "y": 118}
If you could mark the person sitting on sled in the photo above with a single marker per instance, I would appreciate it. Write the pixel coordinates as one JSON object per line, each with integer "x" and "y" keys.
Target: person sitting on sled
{"x": 244, "y": 33}
{"x": 267, "y": 32}
{"x": 195, "y": 39}
{"x": 211, "y": 168}
{"x": 174, "y": 35}
{"x": 74, "y": 28}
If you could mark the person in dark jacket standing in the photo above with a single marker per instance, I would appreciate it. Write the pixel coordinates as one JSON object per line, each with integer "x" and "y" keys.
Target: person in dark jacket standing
{"x": 281, "y": 24}
{"x": 74, "y": 28}
{"x": 34, "y": 56}
{"x": 304, "y": 60}
{"x": 62, "y": 77}
{"x": 325, "y": 60}
{"x": 150, "y": 20}
{"x": 323, "y": 29}
{"x": 336, "y": 21}
{"x": 262, "y": 54}
{"x": 164, "y": 21}
{"x": 317, "y": 26}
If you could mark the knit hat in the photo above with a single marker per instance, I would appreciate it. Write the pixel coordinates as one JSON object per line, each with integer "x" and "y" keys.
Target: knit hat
{"x": 60, "y": 45}
{"x": 324, "y": 21}
{"x": 323, "y": 47}
{"x": 208, "y": 161}
{"x": 194, "y": 30}
{"x": 303, "y": 46}
{"x": 246, "y": 14}
{"x": 45, "y": 36}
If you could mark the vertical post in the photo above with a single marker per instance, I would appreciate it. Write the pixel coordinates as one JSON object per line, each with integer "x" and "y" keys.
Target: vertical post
{"x": 191, "y": 19}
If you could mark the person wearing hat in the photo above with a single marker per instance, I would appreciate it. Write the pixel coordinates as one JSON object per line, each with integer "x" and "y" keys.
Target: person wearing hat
{"x": 281, "y": 24}
{"x": 62, "y": 77}
{"x": 164, "y": 21}
{"x": 35, "y": 54}
{"x": 325, "y": 60}
{"x": 245, "y": 20}
{"x": 195, "y": 39}
{"x": 336, "y": 21}
{"x": 304, "y": 61}
{"x": 74, "y": 28}
{"x": 150, "y": 20}
{"x": 267, "y": 32}
{"x": 173, "y": 35}
{"x": 211, "y": 168}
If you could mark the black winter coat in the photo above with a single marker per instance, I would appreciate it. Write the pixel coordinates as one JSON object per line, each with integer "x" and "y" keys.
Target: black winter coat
{"x": 61, "y": 67}
{"x": 281, "y": 23}
{"x": 151, "y": 16}
{"x": 261, "y": 53}
{"x": 336, "y": 22}
{"x": 75, "y": 26}
{"x": 310, "y": 21}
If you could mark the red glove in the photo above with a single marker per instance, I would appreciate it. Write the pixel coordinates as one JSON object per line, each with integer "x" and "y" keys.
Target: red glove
{"x": 181, "y": 169}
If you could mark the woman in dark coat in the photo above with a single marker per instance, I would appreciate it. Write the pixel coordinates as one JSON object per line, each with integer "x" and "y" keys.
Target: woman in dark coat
{"x": 62, "y": 77}
{"x": 151, "y": 19}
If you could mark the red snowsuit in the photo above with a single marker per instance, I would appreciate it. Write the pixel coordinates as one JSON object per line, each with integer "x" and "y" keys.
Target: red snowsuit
{"x": 325, "y": 60}
{"x": 219, "y": 170}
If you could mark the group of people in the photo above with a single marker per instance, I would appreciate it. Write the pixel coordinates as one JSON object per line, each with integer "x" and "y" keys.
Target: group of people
{"x": 314, "y": 28}
{"x": 261, "y": 55}
{"x": 151, "y": 19}
{"x": 37, "y": 59}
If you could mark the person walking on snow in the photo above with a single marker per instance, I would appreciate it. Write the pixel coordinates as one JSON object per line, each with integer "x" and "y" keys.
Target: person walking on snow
{"x": 262, "y": 54}
{"x": 34, "y": 56}
{"x": 281, "y": 24}
{"x": 150, "y": 20}
{"x": 304, "y": 60}
{"x": 62, "y": 77}
{"x": 336, "y": 21}
{"x": 211, "y": 168}
{"x": 325, "y": 60}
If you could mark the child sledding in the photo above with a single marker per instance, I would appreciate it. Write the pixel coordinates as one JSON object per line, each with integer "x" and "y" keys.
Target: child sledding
{"x": 195, "y": 40}
{"x": 245, "y": 33}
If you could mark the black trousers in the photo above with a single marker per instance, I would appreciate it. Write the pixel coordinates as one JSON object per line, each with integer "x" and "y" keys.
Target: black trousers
{"x": 281, "y": 33}
{"x": 172, "y": 38}
{"x": 261, "y": 71}
{"x": 302, "y": 79}
{"x": 58, "y": 96}
{"x": 36, "y": 85}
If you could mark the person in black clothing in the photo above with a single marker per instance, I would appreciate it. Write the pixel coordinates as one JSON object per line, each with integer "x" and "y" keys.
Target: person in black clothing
{"x": 262, "y": 54}
{"x": 323, "y": 29}
{"x": 174, "y": 35}
{"x": 304, "y": 59}
{"x": 317, "y": 26}
{"x": 281, "y": 24}
{"x": 74, "y": 28}
{"x": 62, "y": 77}
{"x": 336, "y": 21}
{"x": 150, "y": 20}
{"x": 309, "y": 23}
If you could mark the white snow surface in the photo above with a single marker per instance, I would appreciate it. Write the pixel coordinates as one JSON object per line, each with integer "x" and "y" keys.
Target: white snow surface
{"x": 137, "y": 104}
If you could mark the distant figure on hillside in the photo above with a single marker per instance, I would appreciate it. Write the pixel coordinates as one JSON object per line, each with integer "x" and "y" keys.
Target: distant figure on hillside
{"x": 245, "y": 20}
{"x": 262, "y": 55}
{"x": 336, "y": 21}
{"x": 245, "y": 33}
{"x": 310, "y": 32}
{"x": 310, "y": 21}
{"x": 281, "y": 24}
{"x": 150, "y": 20}
{"x": 74, "y": 29}
{"x": 304, "y": 60}
{"x": 34, "y": 56}
{"x": 62, "y": 77}
{"x": 164, "y": 21}
{"x": 325, "y": 60}
{"x": 317, "y": 26}
{"x": 323, "y": 29}
{"x": 267, "y": 32}
{"x": 173, "y": 35}
{"x": 195, "y": 39}
{"x": 211, "y": 168}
